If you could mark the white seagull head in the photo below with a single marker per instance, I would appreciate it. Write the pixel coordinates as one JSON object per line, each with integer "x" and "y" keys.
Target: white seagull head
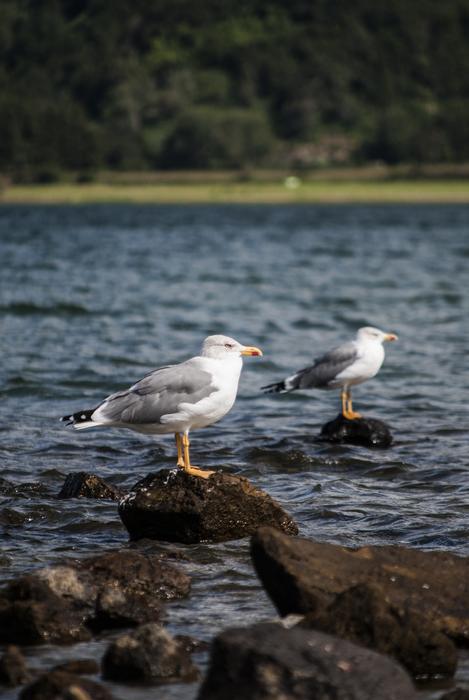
{"x": 368, "y": 333}
{"x": 222, "y": 346}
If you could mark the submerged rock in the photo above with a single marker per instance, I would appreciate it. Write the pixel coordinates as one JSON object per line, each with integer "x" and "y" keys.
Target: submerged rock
{"x": 369, "y": 432}
{"x": 13, "y": 670}
{"x": 31, "y": 613}
{"x": 177, "y": 507}
{"x": 191, "y": 645}
{"x": 61, "y": 604}
{"x": 59, "y": 685}
{"x": 25, "y": 489}
{"x": 86, "y": 667}
{"x": 149, "y": 654}
{"x": 303, "y": 576}
{"x": 268, "y": 662}
{"x": 365, "y": 615}
{"x": 84, "y": 485}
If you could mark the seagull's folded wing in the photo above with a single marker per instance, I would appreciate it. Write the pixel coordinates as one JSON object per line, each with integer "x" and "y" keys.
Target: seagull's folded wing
{"x": 158, "y": 394}
{"x": 326, "y": 368}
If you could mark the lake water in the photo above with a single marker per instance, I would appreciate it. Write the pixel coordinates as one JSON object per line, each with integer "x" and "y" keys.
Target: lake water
{"x": 93, "y": 297}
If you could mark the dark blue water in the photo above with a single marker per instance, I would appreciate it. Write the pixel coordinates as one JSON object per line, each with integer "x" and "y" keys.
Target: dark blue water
{"x": 93, "y": 297}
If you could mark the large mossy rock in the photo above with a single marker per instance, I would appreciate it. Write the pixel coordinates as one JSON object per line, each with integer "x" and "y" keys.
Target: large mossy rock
{"x": 177, "y": 507}
{"x": 66, "y": 603}
{"x": 304, "y": 576}
{"x": 268, "y": 662}
{"x": 365, "y": 615}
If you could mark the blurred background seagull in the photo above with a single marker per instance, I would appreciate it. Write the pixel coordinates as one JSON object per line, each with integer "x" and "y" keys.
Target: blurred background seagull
{"x": 342, "y": 367}
{"x": 176, "y": 398}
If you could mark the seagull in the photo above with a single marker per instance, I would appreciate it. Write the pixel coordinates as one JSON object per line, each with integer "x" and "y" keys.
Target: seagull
{"x": 342, "y": 367}
{"x": 176, "y": 398}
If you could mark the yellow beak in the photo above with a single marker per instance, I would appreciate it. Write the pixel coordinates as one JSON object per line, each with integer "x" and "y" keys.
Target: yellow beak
{"x": 251, "y": 351}
{"x": 390, "y": 336}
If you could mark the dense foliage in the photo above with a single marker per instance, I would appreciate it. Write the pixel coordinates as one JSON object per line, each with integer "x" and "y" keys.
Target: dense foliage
{"x": 137, "y": 84}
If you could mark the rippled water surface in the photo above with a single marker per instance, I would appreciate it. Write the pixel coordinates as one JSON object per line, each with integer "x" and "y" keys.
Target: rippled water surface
{"x": 94, "y": 297}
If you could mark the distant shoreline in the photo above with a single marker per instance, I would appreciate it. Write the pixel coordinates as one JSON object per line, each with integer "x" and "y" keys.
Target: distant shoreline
{"x": 333, "y": 186}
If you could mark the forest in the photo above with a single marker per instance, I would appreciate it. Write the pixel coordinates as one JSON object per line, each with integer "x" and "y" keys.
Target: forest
{"x": 89, "y": 85}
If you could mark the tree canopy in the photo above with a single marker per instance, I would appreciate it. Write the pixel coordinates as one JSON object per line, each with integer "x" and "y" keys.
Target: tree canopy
{"x": 174, "y": 84}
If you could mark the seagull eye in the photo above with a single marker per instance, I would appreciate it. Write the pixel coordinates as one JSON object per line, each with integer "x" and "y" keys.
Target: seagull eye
{"x": 229, "y": 345}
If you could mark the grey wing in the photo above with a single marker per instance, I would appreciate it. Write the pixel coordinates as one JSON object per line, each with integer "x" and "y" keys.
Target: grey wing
{"x": 159, "y": 393}
{"x": 325, "y": 368}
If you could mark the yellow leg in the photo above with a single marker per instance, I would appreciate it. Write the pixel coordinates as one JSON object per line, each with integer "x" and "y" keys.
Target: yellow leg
{"x": 347, "y": 408}
{"x": 180, "y": 461}
{"x": 188, "y": 467}
{"x": 343, "y": 398}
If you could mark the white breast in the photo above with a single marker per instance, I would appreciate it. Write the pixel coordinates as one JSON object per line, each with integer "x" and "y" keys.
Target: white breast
{"x": 225, "y": 378}
{"x": 368, "y": 363}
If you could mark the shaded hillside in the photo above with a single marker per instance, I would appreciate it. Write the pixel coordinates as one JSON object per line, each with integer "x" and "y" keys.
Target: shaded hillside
{"x": 87, "y": 84}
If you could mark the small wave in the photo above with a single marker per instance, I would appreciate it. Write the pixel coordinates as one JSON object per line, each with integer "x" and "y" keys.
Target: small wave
{"x": 30, "y": 309}
{"x": 387, "y": 471}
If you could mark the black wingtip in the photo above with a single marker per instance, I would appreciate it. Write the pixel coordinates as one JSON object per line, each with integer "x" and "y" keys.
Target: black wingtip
{"x": 275, "y": 388}
{"x": 78, "y": 417}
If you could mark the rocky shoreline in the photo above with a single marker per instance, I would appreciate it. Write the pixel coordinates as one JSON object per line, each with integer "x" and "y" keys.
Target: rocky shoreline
{"x": 353, "y": 623}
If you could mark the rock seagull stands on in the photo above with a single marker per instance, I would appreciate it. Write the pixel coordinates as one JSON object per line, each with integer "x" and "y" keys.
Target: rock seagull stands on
{"x": 176, "y": 398}
{"x": 342, "y": 367}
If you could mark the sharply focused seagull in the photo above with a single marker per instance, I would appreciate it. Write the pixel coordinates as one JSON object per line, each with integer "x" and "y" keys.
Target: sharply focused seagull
{"x": 176, "y": 398}
{"x": 342, "y": 367}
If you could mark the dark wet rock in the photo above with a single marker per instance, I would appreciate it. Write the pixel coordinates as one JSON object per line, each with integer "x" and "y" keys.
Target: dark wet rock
{"x": 303, "y": 576}
{"x": 13, "y": 670}
{"x": 83, "y": 485}
{"x": 131, "y": 585}
{"x": 456, "y": 694}
{"x": 369, "y": 432}
{"x": 60, "y": 604}
{"x": 268, "y": 662}
{"x": 59, "y": 685}
{"x": 174, "y": 506}
{"x": 85, "y": 667}
{"x": 364, "y": 614}
{"x": 148, "y": 655}
{"x": 12, "y": 518}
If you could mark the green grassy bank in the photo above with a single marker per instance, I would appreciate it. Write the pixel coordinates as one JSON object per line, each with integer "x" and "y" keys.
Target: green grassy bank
{"x": 225, "y": 188}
